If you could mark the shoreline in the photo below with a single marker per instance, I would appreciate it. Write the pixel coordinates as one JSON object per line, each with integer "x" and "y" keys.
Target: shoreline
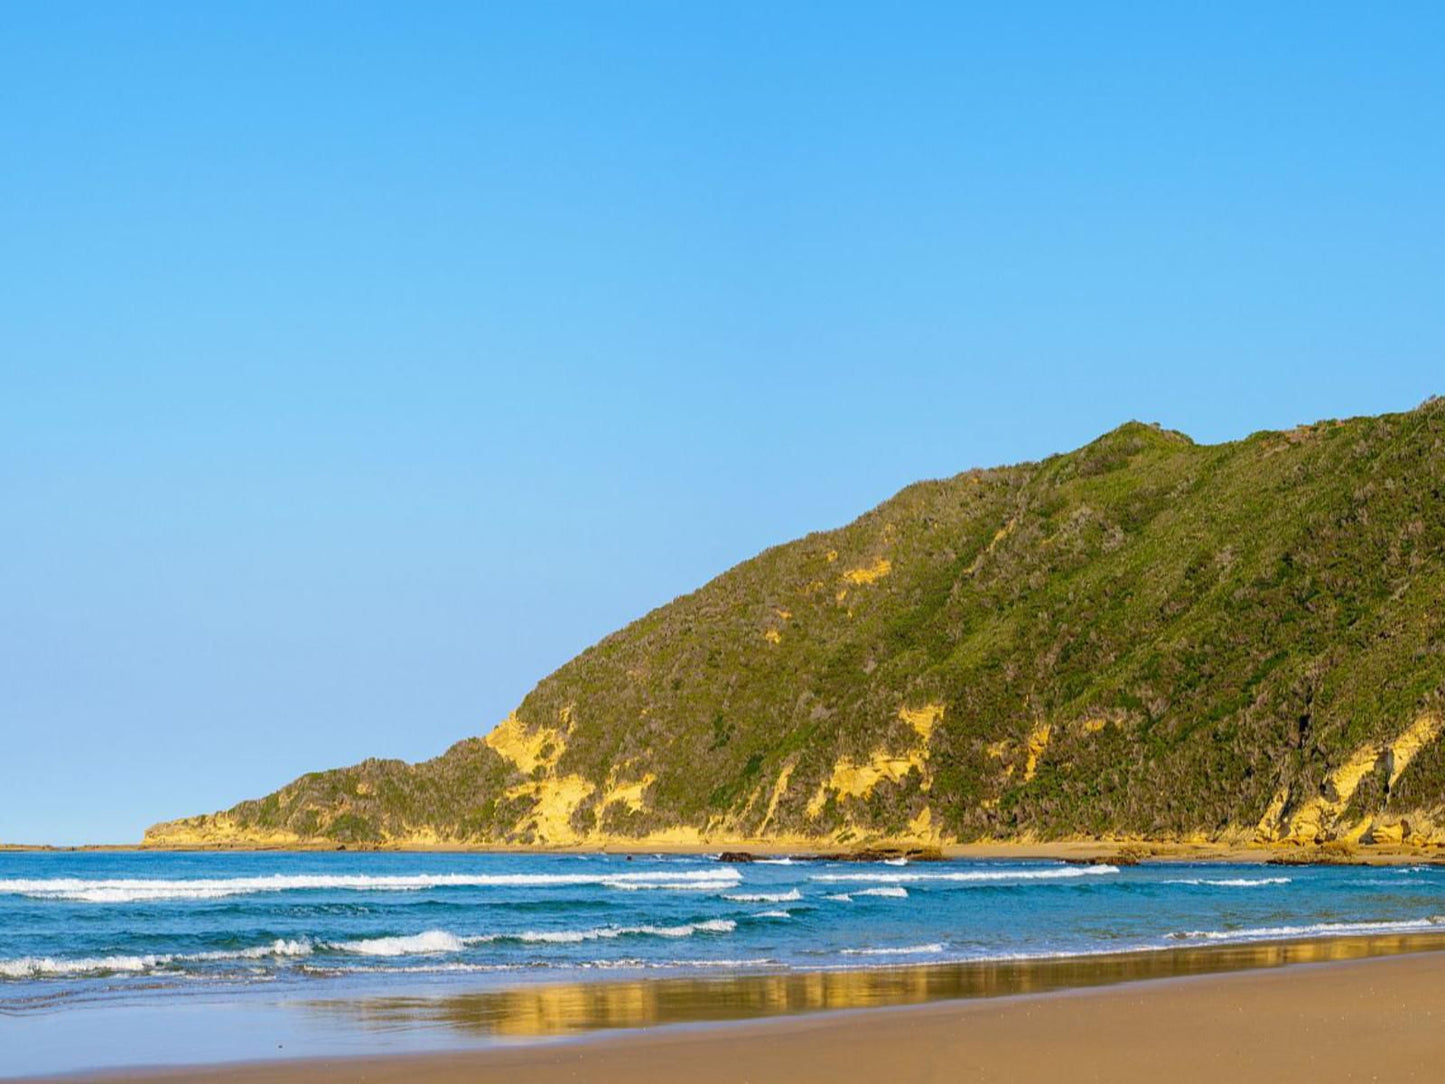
{"x": 1367, "y": 1008}
{"x": 1123, "y": 851}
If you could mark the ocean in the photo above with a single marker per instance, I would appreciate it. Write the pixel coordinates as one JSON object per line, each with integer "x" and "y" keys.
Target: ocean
{"x": 153, "y": 933}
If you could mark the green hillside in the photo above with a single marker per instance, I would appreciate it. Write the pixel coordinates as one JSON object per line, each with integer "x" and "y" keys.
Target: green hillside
{"x": 1143, "y": 638}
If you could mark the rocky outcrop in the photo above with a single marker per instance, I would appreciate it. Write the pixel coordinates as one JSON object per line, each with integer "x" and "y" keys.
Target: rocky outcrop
{"x": 1328, "y": 815}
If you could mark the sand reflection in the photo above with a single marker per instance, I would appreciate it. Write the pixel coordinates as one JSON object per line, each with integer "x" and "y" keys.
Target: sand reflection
{"x": 562, "y": 1009}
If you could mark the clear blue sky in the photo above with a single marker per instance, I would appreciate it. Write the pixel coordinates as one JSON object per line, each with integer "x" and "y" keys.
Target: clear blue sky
{"x": 359, "y": 363}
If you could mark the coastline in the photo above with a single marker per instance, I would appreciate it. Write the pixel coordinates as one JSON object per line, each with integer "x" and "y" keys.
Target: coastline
{"x": 1332, "y": 1009}
{"x": 1126, "y": 851}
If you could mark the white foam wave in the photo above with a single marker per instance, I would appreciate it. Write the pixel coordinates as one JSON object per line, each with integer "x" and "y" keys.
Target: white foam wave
{"x": 773, "y": 914}
{"x": 31, "y": 967}
{"x": 131, "y": 895}
{"x": 427, "y": 943}
{"x": 279, "y": 947}
{"x": 841, "y": 897}
{"x": 971, "y": 876}
{"x": 774, "y": 861}
{"x": 891, "y": 893}
{"x": 634, "y": 964}
{"x": 1317, "y": 929}
{"x": 895, "y": 861}
{"x": 697, "y": 884}
{"x": 450, "y": 967}
{"x": 571, "y": 937}
{"x": 766, "y": 897}
{"x": 906, "y": 950}
{"x": 1230, "y": 882}
{"x": 138, "y": 890}
{"x": 422, "y": 944}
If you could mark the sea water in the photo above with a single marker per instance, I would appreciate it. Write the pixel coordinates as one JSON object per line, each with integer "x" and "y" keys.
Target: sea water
{"x": 163, "y": 930}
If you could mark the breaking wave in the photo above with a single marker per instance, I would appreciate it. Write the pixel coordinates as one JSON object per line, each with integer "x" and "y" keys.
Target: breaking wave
{"x": 972, "y": 876}
{"x": 1316, "y": 929}
{"x": 76, "y": 890}
{"x": 766, "y": 897}
{"x": 572, "y": 937}
{"x": 1230, "y": 882}
{"x": 427, "y": 943}
{"x": 906, "y": 950}
{"x": 34, "y": 967}
{"x": 420, "y": 944}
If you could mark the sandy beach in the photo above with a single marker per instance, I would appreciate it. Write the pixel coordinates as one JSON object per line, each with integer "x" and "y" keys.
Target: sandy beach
{"x": 1352, "y": 1020}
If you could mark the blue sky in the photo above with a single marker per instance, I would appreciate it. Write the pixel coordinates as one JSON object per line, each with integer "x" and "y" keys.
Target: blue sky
{"x": 359, "y": 363}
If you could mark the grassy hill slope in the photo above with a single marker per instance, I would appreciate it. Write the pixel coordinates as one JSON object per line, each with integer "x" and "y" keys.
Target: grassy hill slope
{"x": 1143, "y": 638}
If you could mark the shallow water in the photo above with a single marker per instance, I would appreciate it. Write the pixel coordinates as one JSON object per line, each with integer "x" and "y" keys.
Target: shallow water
{"x": 489, "y": 945}
{"x": 562, "y": 1009}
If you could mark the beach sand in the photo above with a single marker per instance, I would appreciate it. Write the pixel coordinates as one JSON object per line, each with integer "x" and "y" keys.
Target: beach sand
{"x": 1361, "y": 1020}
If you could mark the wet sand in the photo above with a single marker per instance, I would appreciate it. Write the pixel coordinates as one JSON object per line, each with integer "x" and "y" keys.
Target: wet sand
{"x": 1370, "y": 1018}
